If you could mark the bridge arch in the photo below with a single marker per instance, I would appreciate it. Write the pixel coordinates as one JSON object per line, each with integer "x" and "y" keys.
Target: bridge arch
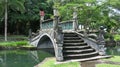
{"x": 46, "y": 41}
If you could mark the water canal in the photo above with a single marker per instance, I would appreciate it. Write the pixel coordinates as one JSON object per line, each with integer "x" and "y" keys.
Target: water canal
{"x": 22, "y": 58}
{"x": 27, "y": 58}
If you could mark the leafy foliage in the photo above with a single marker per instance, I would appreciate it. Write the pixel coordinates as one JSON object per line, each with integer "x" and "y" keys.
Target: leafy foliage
{"x": 91, "y": 13}
{"x": 24, "y": 14}
{"x": 117, "y": 37}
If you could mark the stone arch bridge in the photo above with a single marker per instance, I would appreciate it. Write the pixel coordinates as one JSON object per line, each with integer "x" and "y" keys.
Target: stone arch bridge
{"x": 68, "y": 41}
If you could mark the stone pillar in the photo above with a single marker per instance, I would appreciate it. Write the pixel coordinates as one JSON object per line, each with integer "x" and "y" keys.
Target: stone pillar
{"x": 75, "y": 21}
{"x": 56, "y": 16}
{"x": 59, "y": 42}
{"x": 58, "y": 35}
{"x": 101, "y": 41}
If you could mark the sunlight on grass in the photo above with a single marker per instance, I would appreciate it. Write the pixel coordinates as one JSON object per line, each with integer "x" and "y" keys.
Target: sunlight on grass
{"x": 107, "y": 65}
{"x": 114, "y": 59}
{"x": 51, "y": 63}
{"x": 14, "y": 43}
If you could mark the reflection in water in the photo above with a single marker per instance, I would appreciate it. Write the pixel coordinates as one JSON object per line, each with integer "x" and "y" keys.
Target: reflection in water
{"x": 22, "y": 58}
{"x": 49, "y": 50}
{"x": 34, "y": 56}
{"x": 113, "y": 51}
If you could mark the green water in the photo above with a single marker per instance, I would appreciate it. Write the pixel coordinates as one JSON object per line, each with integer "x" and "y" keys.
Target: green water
{"x": 22, "y": 58}
{"x": 25, "y": 58}
{"x": 113, "y": 51}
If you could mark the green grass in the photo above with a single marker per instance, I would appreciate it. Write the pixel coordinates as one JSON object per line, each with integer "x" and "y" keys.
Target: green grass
{"x": 51, "y": 63}
{"x": 13, "y": 43}
{"x": 107, "y": 65}
{"x": 114, "y": 59}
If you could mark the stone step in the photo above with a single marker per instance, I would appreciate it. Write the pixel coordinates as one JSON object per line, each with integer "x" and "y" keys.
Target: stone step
{"x": 70, "y": 35}
{"x": 78, "y": 51}
{"x": 80, "y": 57}
{"x": 83, "y": 59}
{"x": 72, "y": 38}
{"x": 75, "y": 47}
{"x": 74, "y": 55}
{"x": 73, "y": 41}
{"x": 74, "y": 44}
{"x": 68, "y": 32}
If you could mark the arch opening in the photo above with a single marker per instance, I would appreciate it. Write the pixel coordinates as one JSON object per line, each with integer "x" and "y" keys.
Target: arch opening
{"x": 46, "y": 44}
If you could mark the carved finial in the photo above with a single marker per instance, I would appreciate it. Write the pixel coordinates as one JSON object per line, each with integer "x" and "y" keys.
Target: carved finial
{"x": 55, "y": 11}
{"x": 75, "y": 12}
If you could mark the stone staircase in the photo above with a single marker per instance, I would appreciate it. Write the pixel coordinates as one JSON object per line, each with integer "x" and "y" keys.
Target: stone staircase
{"x": 74, "y": 48}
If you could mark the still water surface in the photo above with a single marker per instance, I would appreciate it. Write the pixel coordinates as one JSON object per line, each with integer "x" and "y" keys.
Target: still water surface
{"x": 22, "y": 58}
{"x": 25, "y": 58}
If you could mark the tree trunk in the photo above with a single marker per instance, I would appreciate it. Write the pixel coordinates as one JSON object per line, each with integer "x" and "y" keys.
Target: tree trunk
{"x": 6, "y": 20}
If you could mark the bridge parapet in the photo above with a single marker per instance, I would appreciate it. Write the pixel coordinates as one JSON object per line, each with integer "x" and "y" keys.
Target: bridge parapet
{"x": 47, "y": 24}
{"x": 65, "y": 25}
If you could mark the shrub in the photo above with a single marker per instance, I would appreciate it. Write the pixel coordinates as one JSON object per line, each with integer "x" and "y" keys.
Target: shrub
{"x": 117, "y": 37}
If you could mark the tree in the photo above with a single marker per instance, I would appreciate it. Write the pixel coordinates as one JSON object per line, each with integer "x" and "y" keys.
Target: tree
{"x": 12, "y": 4}
{"x": 28, "y": 17}
{"x": 91, "y": 13}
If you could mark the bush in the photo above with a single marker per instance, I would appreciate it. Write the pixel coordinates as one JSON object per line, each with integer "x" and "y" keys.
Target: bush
{"x": 117, "y": 37}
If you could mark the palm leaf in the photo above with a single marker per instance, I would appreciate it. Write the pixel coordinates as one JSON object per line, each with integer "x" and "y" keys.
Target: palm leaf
{"x": 17, "y": 4}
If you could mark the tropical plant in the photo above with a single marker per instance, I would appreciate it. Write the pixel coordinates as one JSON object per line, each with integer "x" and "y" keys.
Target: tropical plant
{"x": 12, "y": 5}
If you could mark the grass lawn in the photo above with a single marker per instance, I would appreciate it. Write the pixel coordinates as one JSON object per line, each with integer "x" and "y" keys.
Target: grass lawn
{"x": 107, "y": 65}
{"x": 14, "y": 43}
{"x": 50, "y": 62}
{"x": 114, "y": 59}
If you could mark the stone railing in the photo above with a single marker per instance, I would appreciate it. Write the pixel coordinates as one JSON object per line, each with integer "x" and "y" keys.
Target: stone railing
{"x": 90, "y": 42}
{"x": 67, "y": 25}
{"x": 98, "y": 44}
{"x": 47, "y": 24}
